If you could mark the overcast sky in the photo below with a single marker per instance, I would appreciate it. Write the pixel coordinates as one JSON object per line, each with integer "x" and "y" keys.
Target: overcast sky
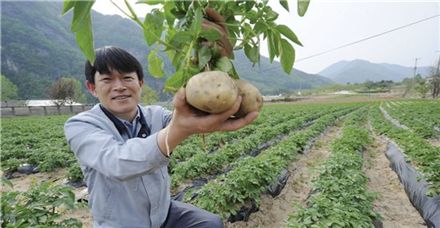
{"x": 331, "y": 24}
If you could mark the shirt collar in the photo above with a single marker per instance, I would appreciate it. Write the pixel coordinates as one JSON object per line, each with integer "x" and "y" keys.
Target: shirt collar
{"x": 144, "y": 132}
{"x": 135, "y": 119}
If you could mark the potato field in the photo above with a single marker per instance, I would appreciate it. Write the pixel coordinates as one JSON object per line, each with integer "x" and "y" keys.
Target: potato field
{"x": 344, "y": 164}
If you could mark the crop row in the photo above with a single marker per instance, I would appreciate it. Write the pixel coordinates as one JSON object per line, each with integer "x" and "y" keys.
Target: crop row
{"x": 206, "y": 164}
{"x": 201, "y": 144}
{"x": 340, "y": 197}
{"x": 422, "y": 117}
{"x": 252, "y": 175}
{"x": 424, "y": 156}
{"x": 38, "y": 141}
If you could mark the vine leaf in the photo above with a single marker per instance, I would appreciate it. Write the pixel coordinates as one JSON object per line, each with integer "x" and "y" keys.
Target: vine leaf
{"x": 155, "y": 65}
{"x": 287, "y": 56}
{"x": 204, "y": 56}
{"x": 224, "y": 64}
{"x": 81, "y": 26}
{"x": 288, "y": 33}
{"x": 285, "y": 4}
{"x": 302, "y": 7}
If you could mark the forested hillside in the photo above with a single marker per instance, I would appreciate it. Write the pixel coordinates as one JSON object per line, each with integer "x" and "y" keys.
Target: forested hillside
{"x": 38, "y": 47}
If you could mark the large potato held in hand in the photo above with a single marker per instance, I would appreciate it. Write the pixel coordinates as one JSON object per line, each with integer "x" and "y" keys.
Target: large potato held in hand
{"x": 211, "y": 91}
{"x": 252, "y": 99}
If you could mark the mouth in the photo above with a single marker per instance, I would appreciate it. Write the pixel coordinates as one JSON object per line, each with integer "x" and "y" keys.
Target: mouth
{"x": 121, "y": 97}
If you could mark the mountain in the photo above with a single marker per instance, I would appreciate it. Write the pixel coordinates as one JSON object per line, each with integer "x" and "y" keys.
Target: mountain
{"x": 358, "y": 71}
{"x": 37, "y": 47}
{"x": 271, "y": 79}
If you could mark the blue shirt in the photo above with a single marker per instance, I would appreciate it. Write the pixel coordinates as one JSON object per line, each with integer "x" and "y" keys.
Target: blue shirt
{"x": 132, "y": 127}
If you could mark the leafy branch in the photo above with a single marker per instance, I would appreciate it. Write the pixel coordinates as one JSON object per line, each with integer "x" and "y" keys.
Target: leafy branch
{"x": 177, "y": 27}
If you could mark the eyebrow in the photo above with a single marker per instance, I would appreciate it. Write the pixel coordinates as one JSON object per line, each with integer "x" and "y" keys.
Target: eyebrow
{"x": 103, "y": 75}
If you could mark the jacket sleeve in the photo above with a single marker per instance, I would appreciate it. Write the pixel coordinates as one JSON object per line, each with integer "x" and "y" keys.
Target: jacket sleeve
{"x": 98, "y": 148}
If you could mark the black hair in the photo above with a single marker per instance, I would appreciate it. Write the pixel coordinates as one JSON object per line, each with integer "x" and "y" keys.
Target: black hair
{"x": 110, "y": 58}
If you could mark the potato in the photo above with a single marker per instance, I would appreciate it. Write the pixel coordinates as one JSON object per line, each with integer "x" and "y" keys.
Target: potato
{"x": 211, "y": 91}
{"x": 252, "y": 99}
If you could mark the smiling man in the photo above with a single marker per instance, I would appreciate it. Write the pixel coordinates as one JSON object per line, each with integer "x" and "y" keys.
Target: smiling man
{"x": 124, "y": 149}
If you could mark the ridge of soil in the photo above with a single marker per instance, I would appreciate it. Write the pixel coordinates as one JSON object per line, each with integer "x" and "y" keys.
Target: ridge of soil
{"x": 392, "y": 202}
{"x": 274, "y": 212}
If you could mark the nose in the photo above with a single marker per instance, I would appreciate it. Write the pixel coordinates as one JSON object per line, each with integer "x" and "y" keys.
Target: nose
{"x": 119, "y": 85}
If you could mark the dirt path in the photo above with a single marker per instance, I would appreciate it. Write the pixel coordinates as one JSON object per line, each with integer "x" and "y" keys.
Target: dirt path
{"x": 274, "y": 211}
{"x": 392, "y": 202}
{"x": 22, "y": 182}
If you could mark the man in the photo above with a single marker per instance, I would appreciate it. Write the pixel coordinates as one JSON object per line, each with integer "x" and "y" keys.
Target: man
{"x": 123, "y": 148}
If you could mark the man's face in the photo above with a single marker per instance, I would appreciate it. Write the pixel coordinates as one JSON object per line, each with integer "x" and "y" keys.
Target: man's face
{"x": 118, "y": 92}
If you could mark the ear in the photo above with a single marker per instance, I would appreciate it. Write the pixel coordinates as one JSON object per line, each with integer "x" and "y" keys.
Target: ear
{"x": 91, "y": 88}
{"x": 141, "y": 82}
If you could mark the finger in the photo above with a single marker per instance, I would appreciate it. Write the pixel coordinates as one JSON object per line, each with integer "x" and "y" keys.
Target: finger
{"x": 234, "y": 124}
{"x": 221, "y": 118}
{"x": 179, "y": 100}
{"x": 234, "y": 109}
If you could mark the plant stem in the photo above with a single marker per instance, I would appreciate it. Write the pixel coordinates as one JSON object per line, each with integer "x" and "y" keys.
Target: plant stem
{"x": 136, "y": 19}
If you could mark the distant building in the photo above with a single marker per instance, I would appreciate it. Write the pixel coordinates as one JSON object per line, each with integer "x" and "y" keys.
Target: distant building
{"x": 273, "y": 97}
{"x": 344, "y": 92}
{"x": 39, "y": 103}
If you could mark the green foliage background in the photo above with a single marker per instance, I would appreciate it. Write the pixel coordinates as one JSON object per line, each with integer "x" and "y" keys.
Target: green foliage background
{"x": 38, "y": 48}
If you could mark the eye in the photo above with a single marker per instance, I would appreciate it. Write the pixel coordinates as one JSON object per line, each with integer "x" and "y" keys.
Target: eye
{"x": 106, "y": 79}
{"x": 128, "y": 78}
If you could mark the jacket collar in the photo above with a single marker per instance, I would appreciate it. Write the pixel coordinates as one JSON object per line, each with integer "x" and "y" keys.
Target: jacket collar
{"x": 143, "y": 132}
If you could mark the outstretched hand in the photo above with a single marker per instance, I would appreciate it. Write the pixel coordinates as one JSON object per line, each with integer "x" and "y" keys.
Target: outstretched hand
{"x": 187, "y": 121}
{"x": 193, "y": 121}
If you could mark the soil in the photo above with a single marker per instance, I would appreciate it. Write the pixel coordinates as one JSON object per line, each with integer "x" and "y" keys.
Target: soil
{"x": 274, "y": 212}
{"x": 434, "y": 142}
{"x": 22, "y": 182}
{"x": 392, "y": 202}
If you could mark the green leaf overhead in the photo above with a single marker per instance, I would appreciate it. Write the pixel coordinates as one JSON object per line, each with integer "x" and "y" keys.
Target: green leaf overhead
{"x": 210, "y": 34}
{"x": 197, "y": 24}
{"x": 224, "y": 64}
{"x": 68, "y": 4}
{"x": 252, "y": 53}
{"x": 287, "y": 56}
{"x": 155, "y": 65}
{"x": 153, "y": 26}
{"x": 287, "y": 32}
{"x": 303, "y": 5}
{"x": 82, "y": 26}
{"x": 204, "y": 56}
{"x": 150, "y": 2}
{"x": 285, "y": 4}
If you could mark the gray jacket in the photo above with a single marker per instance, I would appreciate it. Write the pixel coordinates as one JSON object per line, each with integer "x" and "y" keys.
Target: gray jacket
{"x": 127, "y": 179}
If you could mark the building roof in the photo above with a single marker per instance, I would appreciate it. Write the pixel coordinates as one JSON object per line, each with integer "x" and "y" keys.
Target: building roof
{"x": 47, "y": 103}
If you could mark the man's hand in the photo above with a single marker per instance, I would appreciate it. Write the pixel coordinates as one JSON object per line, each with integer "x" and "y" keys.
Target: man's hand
{"x": 187, "y": 121}
{"x": 216, "y": 21}
{"x": 193, "y": 121}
